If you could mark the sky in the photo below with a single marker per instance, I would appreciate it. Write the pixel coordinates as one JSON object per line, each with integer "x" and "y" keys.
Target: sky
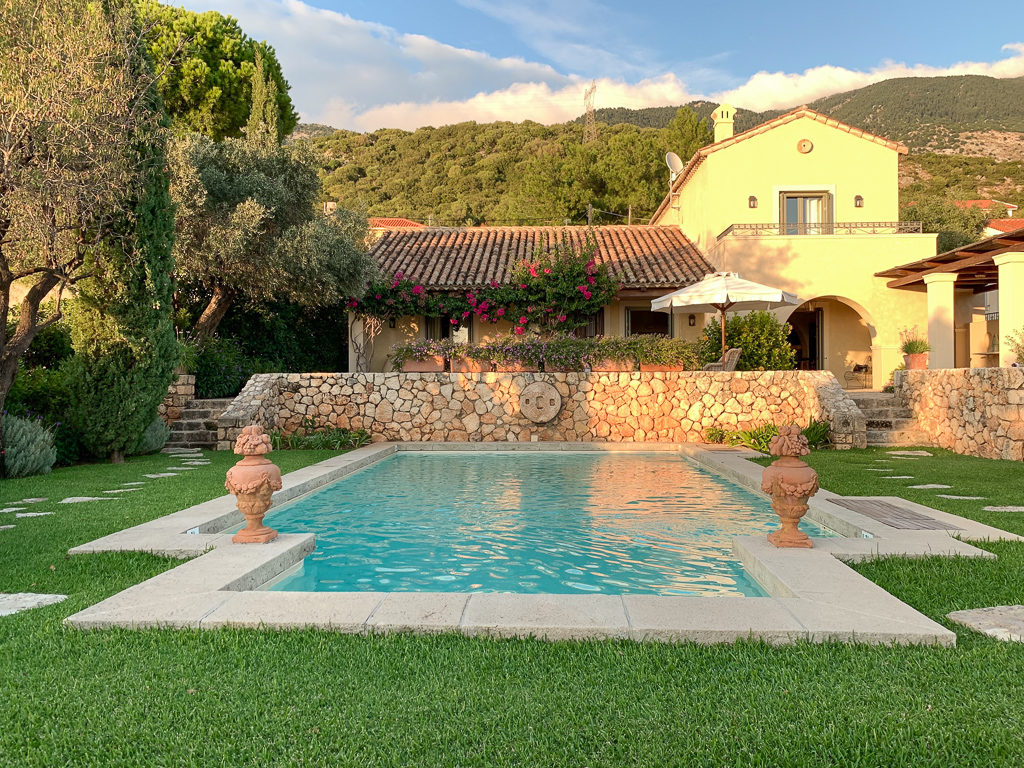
{"x": 365, "y": 64}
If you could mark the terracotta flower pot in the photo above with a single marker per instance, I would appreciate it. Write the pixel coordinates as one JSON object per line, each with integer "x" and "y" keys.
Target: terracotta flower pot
{"x": 659, "y": 368}
{"x": 612, "y": 366}
{"x": 253, "y": 480}
{"x": 916, "y": 362}
{"x": 515, "y": 368}
{"x": 434, "y": 364}
{"x": 469, "y": 365}
{"x": 790, "y": 482}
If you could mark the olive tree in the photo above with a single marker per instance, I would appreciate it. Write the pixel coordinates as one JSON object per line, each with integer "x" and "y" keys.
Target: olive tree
{"x": 74, "y": 107}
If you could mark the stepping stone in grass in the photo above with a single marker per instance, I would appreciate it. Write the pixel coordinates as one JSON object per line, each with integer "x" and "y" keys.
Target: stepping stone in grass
{"x": 6, "y": 527}
{"x": 885, "y": 460}
{"x": 156, "y": 475}
{"x": 965, "y": 498}
{"x": 11, "y": 509}
{"x": 33, "y": 514}
{"x": 182, "y": 469}
{"x": 1003, "y": 622}
{"x": 896, "y": 477}
{"x": 906, "y": 458}
{"x": 80, "y": 499}
{"x": 879, "y": 469}
{"x": 22, "y": 601}
{"x": 1004, "y": 509}
{"x": 909, "y": 453}
{"x": 31, "y": 501}
{"x": 136, "y": 483}
{"x": 197, "y": 462}
{"x": 929, "y": 486}
{"x": 123, "y": 490}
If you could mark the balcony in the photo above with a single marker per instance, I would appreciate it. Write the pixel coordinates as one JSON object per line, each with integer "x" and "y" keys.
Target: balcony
{"x": 778, "y": 229}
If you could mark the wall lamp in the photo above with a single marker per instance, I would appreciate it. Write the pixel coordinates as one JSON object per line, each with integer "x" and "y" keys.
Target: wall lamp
{"x": 692, "y": 320}
{"x": 391, "y": 322}
{"x": 752, "y": 201}
{"x": 858, "y": 202}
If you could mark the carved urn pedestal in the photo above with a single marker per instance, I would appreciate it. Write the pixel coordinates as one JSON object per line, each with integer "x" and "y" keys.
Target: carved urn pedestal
{"x": 790, "y": 483}
{"x": 253, "y": 481}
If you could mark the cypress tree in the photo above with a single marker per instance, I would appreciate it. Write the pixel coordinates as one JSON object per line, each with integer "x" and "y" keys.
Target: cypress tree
{"x": 122, "y": 333}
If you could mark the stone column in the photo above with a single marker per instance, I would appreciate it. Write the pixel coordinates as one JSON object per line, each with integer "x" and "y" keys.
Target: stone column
{"x": 940, "y": 318}
{"x": 1011, "y": 301}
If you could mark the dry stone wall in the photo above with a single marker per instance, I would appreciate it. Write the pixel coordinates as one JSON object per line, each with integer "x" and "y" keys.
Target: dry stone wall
{"x": 181, "y": 390}
{"x": 974, "y": 411}
{"x": 637, "y": 407}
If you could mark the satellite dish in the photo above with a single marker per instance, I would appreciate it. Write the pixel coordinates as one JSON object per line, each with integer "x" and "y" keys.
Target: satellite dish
{"x": 675, "y": 165}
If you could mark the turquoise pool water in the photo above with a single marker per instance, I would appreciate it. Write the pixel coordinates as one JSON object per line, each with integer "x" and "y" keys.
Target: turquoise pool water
{"x": 545, "y": 522}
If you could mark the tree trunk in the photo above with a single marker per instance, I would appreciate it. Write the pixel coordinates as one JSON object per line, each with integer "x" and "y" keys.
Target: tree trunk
{"x": 219, "y": 304}
{"x": 117, "y": 457}
{"x": 8, "y": 369}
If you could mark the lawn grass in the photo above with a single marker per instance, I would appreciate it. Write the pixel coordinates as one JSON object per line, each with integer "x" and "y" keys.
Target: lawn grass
{"x": 246, "y": 697}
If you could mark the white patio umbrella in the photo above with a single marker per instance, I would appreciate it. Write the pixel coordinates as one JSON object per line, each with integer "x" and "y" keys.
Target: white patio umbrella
{"x": 723, "y": 292}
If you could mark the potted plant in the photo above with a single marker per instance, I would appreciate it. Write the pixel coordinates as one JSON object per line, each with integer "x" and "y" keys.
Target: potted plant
{"x": 614, "y": 354}
{"x": 567, "y": 354}
{"x": 915, "y": 350}
{"x": 419, "y": 356}
{"x": 660, "y": 353}
{"x": 468, "y": 358}
{"x": 516, "y": 355}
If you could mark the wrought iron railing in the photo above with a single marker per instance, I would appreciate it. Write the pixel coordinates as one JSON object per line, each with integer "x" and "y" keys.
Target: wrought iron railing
{"x": 834, "y": 228}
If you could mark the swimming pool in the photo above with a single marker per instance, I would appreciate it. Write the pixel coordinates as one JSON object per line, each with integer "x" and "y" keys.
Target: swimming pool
{"x": 551, "y": 522}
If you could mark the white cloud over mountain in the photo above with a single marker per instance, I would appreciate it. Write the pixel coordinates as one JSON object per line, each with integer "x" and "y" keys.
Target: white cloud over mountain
{"x": 361, "y": 75}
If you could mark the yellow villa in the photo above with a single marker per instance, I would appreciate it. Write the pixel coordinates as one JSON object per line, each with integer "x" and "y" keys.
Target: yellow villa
{"x": 802, "y": 202}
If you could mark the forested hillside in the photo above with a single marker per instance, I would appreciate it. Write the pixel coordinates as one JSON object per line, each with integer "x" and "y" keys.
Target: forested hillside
{"x": 964, "y": 134}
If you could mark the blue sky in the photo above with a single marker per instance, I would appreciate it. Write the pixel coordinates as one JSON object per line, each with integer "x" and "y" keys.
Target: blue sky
{"x": 364, "y": 65}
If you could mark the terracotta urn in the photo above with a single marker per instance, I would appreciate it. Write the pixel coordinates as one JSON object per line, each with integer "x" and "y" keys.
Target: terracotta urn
{"x": 790, "y": 483}
{"x": 253, "y": 481}
{"x": 916, "y": 362}
{"x": 433, "y": 364}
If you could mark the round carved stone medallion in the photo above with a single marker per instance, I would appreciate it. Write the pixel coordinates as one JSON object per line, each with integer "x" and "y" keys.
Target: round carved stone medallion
{"x": 540, "y": 402}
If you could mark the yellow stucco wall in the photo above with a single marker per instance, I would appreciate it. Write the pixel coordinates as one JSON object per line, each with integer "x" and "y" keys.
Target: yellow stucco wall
{"x": 812, "y": 266}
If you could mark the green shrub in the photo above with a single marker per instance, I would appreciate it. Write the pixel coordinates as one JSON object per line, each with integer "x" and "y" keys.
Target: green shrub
{"x": 324, "y": 438}
{"x": 419, "y": 350}
{"x": 29, "y": 445}
{"x": 43, "y": 392}
{"x": 222, "y": 368}
{"x": 153, "y": 439}
{"x": 618, "y": 349}
{"x": 716, "y": 435}
{"x": 662, "y": 350}
{"x": 50, "y": 347}
{"x": 818, "y": 434}
{"x": 763, "y": 339}
{"x": 1015, "y": 342}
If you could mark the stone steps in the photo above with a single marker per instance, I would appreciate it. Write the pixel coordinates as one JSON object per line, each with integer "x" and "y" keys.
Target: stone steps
{"x": 197, "y": 427}
{"x": 889, "y": 423}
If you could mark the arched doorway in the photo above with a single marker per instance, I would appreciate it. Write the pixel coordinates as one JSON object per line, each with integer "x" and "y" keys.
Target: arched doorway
{"x": 833, "y": 333}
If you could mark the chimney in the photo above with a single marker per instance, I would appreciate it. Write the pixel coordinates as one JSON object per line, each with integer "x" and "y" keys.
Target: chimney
{"x": 723, "y": 117}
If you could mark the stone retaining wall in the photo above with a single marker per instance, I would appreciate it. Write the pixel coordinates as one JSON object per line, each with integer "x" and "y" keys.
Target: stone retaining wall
{"x": 182, "y": 389}
{"x": 974, "y": 411}
{"x": 638, "y": 407}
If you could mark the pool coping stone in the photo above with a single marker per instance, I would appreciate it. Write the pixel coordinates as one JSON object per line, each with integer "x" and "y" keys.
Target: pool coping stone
{"x": 814, "y": 595}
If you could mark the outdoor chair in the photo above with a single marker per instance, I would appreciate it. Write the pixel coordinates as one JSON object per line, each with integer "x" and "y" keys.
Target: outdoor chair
{"x": 728, "y": 361}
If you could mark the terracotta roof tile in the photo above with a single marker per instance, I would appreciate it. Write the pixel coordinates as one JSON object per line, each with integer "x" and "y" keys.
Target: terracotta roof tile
{"x": 1006, "y": 225}
{"x": 473, "y": 257}
{"x": 984, "y": 204}
{"x": 392, "y": 222}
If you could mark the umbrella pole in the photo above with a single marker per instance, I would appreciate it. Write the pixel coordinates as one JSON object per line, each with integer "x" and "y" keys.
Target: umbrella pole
{"x": 723, "y": 332}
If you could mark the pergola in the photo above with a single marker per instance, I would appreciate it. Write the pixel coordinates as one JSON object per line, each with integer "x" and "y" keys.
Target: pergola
{"x": 995, "y": 263}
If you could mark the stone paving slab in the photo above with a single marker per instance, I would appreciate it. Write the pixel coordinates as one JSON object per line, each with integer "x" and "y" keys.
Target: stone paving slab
{"x": 32, "y": 514}
{"x": 83, "y": 499}
{"x": 23, "y": 601}
{"x": 909, "y": 453}
{"x": 1003, "y": 622}
{"x": 551, "y": 617}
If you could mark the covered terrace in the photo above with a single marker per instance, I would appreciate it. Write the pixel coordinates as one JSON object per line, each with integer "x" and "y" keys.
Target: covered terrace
{"x": 960, "y": 332}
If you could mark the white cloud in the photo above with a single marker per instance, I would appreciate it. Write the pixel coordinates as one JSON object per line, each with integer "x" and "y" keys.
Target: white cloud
{"x": 361, "y": 75}
{"x": 522, "y": 101}
{"x": 778, "y": 90}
